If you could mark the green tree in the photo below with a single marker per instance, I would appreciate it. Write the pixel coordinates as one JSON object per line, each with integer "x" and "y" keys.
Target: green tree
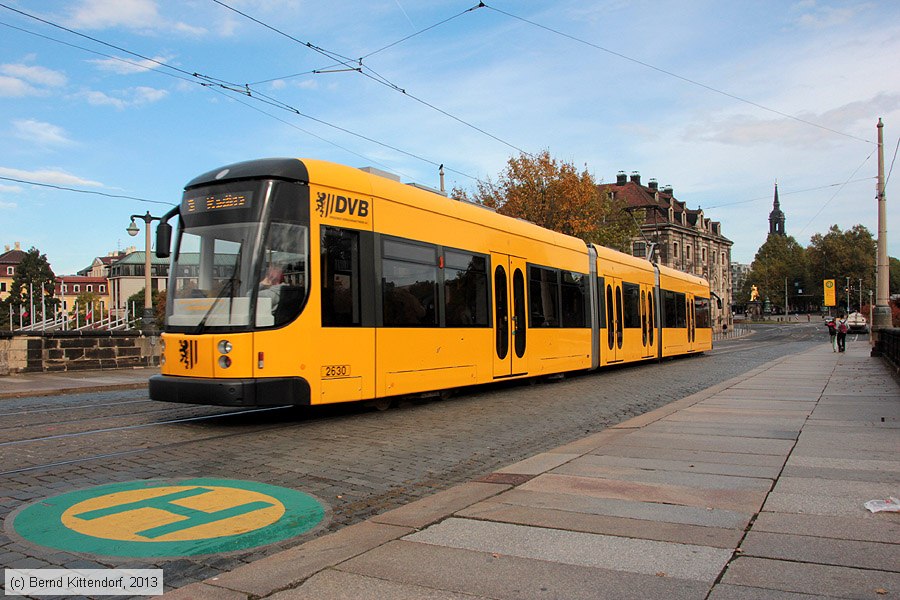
{"x": 157, "y": 301}
{"x": 894, "y": 266}
{"x": 841, "y": 254}
{"x": 32, "y": 275}
{"x": 780, "y": 259}
{"x": 556, "y": 195}
{"x": 87, "y": 303}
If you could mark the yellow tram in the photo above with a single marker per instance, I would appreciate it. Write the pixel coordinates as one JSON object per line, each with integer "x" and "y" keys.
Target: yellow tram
{"x": 306, "y": 282}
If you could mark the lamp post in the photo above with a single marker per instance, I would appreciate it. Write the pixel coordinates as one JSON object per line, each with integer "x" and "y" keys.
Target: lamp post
{"x": 133, "y": 229}
{"x": 848, "y": 296}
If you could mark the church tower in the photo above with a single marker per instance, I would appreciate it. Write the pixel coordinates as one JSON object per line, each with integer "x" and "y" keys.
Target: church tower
{"x": 776, "y": 217}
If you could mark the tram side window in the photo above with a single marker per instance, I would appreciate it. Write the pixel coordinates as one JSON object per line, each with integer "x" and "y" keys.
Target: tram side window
{"x": 574, "y": 292}
{"x": 674, "y": 310}
{"x": 632, "y": 301}
{"x": 340, "y": 277}
{"x": 465, "y": 290}
{"x": 680, "y": 311}
{"x": 543, "y": 291}
{"x": 409, "y": 284}
{"x": 701, "y": 308}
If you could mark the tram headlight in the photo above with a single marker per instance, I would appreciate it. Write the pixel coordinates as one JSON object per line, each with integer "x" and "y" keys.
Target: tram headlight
{"x": 224, "y": 347}
{"x": 224, "y": 362}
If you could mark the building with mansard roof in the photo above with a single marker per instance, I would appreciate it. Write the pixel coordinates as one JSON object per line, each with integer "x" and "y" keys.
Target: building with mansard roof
{"x": 678, "y": 237}
{"x": 126, "y": 277}
{"x": 9, "y": 260}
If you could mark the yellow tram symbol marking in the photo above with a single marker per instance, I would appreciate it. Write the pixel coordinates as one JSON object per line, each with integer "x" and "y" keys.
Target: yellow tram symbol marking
{"x": 173, "y": 513}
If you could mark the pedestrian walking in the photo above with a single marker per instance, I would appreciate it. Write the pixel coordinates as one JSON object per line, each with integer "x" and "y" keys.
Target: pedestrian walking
{"x": 832, "y": 332}
{"x": 842, "y": 332}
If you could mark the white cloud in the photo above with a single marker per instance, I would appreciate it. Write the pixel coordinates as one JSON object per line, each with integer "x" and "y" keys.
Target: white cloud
{"x": 141, "y": 15}
{"x": 147, "y": 95}
{"x": 18, "y": 80}
{"x": 35, "y": 74}
{"x": 51, "y": 176}
{"x": 43, "y": 134}
{"x": 97, "y": 98}
{"x": 128, "y": 66}
{"x": 10, "y": 189}
{"x": 123, "y": 99}
{"x": 8, "y": 205}
{"x": 10, "y": 87}
{"x": 816, "y": 16}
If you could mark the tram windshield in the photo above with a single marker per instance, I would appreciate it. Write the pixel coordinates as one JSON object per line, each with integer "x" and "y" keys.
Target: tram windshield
{"x": 231, "y": 274}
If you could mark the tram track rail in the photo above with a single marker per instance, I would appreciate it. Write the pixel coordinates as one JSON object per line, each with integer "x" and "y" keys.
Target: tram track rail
{"x": 136, "y": 451}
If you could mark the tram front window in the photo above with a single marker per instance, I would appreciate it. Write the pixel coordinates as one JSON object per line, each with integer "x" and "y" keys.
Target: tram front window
{"x": 241, "y": 257}
{"x": 221, "y": 272}
{"x": 214, "y": 276}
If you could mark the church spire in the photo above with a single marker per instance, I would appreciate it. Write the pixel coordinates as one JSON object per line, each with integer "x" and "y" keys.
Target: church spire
{"x": 776, "y": 217}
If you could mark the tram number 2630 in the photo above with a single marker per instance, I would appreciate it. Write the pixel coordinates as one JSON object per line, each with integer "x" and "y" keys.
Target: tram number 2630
{"x": 335, "y": 371}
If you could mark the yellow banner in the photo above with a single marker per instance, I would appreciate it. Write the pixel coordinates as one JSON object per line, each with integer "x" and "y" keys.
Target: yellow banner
{"x": 829, "y": 293}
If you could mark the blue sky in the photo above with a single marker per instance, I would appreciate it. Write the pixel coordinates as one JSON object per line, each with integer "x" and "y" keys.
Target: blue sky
{"x": 798, "y": 88}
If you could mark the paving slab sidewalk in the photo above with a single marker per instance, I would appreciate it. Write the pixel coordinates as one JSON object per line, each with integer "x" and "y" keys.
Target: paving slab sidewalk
{"x": 66, "y": 382}
{"x": 753, "y": 488}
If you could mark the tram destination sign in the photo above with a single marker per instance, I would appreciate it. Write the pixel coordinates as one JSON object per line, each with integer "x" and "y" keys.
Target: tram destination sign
{"x": 215, "y": 202}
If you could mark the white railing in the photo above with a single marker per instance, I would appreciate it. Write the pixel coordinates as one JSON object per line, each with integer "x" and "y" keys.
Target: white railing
{"x": 80, "y": 319}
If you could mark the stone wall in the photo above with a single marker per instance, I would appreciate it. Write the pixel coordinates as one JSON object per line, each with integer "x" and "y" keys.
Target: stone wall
{"x": 77, "y": 350}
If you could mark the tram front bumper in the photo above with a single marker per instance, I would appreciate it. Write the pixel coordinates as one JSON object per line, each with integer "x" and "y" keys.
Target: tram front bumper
{"x": 270, "y": 391}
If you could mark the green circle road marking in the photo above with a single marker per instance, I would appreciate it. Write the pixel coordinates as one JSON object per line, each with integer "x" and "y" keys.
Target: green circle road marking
{"x": 157, "y": 518}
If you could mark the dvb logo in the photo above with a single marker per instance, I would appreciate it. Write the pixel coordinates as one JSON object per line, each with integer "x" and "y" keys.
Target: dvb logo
{"x": 327, "y": 204}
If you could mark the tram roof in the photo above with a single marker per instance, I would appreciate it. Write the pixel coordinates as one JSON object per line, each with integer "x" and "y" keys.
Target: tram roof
{"x": 414, "y": 196}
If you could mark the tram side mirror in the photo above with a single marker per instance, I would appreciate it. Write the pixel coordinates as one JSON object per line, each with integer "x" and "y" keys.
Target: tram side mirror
{"x": 163, "y": 239}
{"x": 718, "y": 301}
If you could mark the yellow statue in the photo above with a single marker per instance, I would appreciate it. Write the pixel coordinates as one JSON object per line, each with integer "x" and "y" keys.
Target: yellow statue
{"x": 754, "y": 294}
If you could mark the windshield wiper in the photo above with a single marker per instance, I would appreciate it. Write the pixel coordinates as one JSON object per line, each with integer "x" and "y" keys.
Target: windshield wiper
{"x": 228, "y": 288}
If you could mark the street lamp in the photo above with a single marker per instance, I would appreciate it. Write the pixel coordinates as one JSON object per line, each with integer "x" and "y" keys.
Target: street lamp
{"x": 133, "y": 229}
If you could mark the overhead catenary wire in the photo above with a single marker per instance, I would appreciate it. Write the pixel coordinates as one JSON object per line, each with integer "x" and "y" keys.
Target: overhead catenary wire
{"x": 213, "y": 82}
{"x": 838, "y": 191}
{"x": 80, "y": 191}
{"x": 788, "y": 193}
{"x": 675, "y": 75}
{"x": 891, "y": 169}
{"x": 357, "y": 65}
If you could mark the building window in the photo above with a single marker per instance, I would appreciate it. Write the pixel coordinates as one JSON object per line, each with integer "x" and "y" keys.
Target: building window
{"x": 102, "y": 289}
{"x": 10, "y": 270}
{"x": 89, "y": 288}
{"x": 64, "y": 288}
{"x": 687, "y": 253}
{"x": 75, "y": 288}
{"x": 639, "y": 249}
{"x": 2, "y": 286}
{"x": 703, "y": 255}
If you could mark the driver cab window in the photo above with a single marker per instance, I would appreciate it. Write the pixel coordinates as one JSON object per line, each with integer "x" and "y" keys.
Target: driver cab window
{"x": 284, "y": 276}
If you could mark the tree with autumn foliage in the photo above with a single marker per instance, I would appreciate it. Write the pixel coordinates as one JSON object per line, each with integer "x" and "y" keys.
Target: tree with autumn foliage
{"x": 556, "y": 195}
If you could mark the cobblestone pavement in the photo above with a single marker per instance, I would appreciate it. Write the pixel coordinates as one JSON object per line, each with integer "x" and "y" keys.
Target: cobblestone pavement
{"x": 357, "y": 461}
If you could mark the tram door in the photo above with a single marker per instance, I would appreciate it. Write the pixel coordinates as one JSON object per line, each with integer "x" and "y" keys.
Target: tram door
{"x": 648, "y": 321}
{"x": 691, "y": 322}
{"x": 613, "y": 301}
{"x": 510, "y": 325}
